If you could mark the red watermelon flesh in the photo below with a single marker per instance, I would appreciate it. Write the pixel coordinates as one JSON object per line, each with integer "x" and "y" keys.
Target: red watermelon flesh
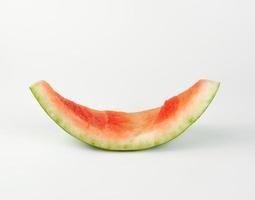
{"x": 127, "y": 131}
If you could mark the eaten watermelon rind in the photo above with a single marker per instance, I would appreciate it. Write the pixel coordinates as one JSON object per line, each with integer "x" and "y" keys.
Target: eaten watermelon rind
{"x": 144, "y": 141}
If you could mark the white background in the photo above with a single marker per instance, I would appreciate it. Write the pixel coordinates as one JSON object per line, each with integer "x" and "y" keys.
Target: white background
{"x": 127, "y": 55}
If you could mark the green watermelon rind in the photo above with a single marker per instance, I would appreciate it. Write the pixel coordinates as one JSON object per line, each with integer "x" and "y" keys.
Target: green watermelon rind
{"x": 115, "y": 146}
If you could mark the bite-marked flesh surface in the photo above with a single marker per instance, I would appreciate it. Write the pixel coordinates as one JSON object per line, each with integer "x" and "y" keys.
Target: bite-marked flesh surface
{"x": 127, "y": 131}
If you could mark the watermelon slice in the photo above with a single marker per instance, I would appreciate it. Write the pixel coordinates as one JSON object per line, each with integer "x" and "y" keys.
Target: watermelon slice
{"x": 127, "y": 131}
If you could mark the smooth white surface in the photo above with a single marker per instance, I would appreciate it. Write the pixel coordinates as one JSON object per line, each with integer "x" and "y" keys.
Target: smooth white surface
{"x": 127, "y": 55}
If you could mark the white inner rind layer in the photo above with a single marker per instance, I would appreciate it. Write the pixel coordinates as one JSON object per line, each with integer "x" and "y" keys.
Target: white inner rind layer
{"x": 183, "y": 119}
